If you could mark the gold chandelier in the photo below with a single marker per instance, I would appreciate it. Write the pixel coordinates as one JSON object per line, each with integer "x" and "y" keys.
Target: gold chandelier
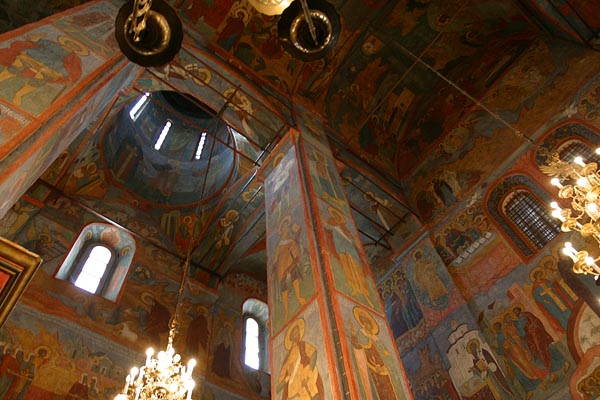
{"x": 162, "y": 377}
{"x": 578, "y": 182}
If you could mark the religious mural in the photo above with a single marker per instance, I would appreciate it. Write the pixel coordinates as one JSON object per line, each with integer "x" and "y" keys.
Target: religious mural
{"x": 402, "y": 310}
{"x": 370, "y": 346}
{"x": 425, "y": 367}
{"x": 287, "y": 243}
{"x": 526, "y": 325}
{"x": 350, "y": 269}
{"x": 301, "y": 370}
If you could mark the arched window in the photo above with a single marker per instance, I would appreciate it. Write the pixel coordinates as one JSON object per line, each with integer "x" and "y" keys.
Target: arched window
{"x": 99, "y": 260}
{"x": 517, "y": 206}
{"x": 529, "y": 216}
{"x": 93, "y": 267}
{"x": 256, "y": 335}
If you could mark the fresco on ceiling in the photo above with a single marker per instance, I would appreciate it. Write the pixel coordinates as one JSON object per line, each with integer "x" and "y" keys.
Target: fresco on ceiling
{"x": 301, "y": 370}
{"x": 17, "y": 13}
{"x": 234, "y": 225}
{"x": 45, "y": 357}
{"x": 213, "y": 83}
{"x": 360, "y": 114}
{"x": 172, "y": 175}
{"x": 427, "y": 373}
{"x": 580, "y": 20}
{"x": 94, "y": 27}
{"x": 346, "y": 261}
{"x": 384, "y": 216}
{"x": 402, "y": 310}
{"x": 375, "y": 365}
{"x": 11, "y": 121}
{"x": 31, "y": 80}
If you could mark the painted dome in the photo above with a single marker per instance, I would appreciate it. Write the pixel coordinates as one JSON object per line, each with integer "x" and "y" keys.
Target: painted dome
{"x": 169, "y": 149}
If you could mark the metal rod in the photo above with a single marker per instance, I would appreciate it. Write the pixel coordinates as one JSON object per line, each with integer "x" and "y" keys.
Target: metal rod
{"x": 309, "y": 21}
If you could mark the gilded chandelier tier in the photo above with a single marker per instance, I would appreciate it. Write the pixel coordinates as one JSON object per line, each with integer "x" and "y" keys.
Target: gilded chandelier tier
{"x": 162, "y": 377}
{"x": 579, "y": 183}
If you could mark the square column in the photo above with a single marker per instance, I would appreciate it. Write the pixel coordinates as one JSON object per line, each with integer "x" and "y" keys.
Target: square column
{"x": 329, "y": 335}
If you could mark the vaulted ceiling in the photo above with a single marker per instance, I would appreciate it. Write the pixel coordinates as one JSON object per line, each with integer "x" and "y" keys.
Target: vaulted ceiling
{"x": 400, "y": 92}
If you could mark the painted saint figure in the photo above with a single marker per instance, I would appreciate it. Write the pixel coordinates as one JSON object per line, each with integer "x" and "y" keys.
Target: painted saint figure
{"x": 300, "y": 377}
{"x": 287, "y": 262}
{"x": 375, "y": 377}
{"x": 341, "y": 239}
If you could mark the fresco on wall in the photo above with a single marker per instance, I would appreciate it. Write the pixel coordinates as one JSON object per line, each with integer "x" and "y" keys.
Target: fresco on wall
{"x": 381, "y": 216}
{"x": 402, "y": 310}
{"x": 427, "y": 373}
{"x": 290, "y": 268}
{"x": 376, "y": 368}
{"x": 283, "y": 188}
{"x": 301, "y": 370}
{"x": 55, "y": 358}
{"x": 287, "y": 243}
{"x": 524, "y": 318}
{"x": 349, "y": 268}
{"x": 470, "y": 230}
{"x": 475, "y": 371}
{"x": 431, "y": 285}
{"x": 325, "y": 179}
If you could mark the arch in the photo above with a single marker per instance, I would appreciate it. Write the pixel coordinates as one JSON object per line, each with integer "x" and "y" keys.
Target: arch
{"x": 118, "y": 243}
{"x": 255, "y": 334}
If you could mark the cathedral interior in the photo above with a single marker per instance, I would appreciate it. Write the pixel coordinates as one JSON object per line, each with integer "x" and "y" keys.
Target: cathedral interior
{"x": 379, "y": 209}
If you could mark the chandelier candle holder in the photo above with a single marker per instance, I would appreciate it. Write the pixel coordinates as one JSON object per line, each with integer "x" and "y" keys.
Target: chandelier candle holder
{"x": 162, "y": 377}
{"x": 579, "y": 183}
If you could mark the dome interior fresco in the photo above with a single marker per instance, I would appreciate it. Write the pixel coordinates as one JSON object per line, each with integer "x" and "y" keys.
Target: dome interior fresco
{"x": 178, "y": 173}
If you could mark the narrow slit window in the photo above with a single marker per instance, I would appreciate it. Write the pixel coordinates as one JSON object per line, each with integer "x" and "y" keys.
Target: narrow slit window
{"x": 93, "y": 269}
{"x": 252, "y": 354}
{"x": 138, "y": 107}
{"x": 200, "y": 146}
{"x": 163, "y": 135}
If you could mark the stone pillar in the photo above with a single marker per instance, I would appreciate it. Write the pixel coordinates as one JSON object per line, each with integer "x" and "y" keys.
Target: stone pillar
{"x": 329, "y": 335}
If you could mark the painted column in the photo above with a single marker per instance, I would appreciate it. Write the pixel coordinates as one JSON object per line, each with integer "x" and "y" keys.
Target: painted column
{"x": 329, "y": 335}
{"x": 56, "y": 77}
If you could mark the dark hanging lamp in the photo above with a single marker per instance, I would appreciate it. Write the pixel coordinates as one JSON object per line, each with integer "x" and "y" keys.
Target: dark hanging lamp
{"x": 309, "y": 29}
{"x": 148, "y": 32}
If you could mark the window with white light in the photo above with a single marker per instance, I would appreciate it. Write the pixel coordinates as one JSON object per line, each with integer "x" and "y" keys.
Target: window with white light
{"x": 252, "y": 351}
{"x": 163, "y": 135}
{"x": 200, "y": 146}
{"x": 531, "y": 218}
{"x": 97, "y": 266}
{"x": 256, "y": 335}
{"x": 93, "y": 268}
{"x": 139, "y": 107}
